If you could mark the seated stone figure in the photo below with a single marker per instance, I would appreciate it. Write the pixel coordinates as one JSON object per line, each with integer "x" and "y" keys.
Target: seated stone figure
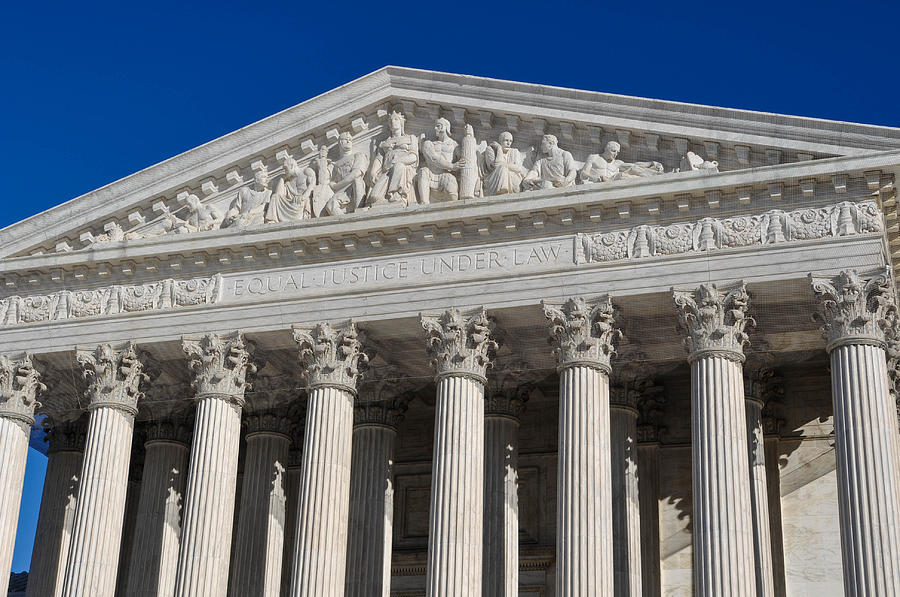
{"x": 556, "y": 169}
{"x": 349, "y": 171}
{"x": 607, "y": 167}
{"x": 249, "y": 206}
{"x": 441, "y": 161}
{"x": 290, "y": 202}
{"x": 502, "y": 166}
{"x": 394, "y": 166}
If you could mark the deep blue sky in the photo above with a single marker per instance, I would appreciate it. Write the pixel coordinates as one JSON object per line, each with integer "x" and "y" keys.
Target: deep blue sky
{"x": 94, "y": 92}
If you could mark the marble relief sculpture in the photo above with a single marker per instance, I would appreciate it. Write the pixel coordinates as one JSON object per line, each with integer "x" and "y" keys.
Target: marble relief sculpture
{"x": 291, "y": 200}
{"x": 249, "y": 206}
{"x": 691, "y": 162}
{"x": 606, "y": 167}
{"x": 503, "y": 167}
{"x": 394, "y": 166}
{"x": 556, "y": 169}
{"x": 199, "y": 218}
{"x": 442, "y": 159}
{"x": 349, "y": 173}
{"x": 321, "y": 195}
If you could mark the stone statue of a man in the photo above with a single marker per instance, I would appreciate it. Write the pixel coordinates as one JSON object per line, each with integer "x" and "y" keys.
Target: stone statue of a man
{"x": 607, "y": 167}
{"x": 441, "y": 161}
{"x": 556, "y": 169}
{"x": 394, "y": 167}
{"x": 291, "y": 200}
{"x": 349, "y": 185}
{"x": 249, "y": 206}
{"x": 503, "y": 169}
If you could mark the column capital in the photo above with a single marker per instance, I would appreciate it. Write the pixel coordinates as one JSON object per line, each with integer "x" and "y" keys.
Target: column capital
{"x": 269, "y": 422}
{"x": 854, "y": 308}
{"x": 331, "y": 356}
{"x": 509, "y": 387}
{"x": 713, "y": 320}
{"x": 69, "y": 436}
{"x": 170, "y": 430}
{"x": 460, "y": 343}
{"x": 385, "y": 413}
{"x": 20, "y": 383}
{"x": 583, "y": 331}
{"x": 650, "y": 401}
{"x": 220, "y": 365}
{"x": 115, "y": 376}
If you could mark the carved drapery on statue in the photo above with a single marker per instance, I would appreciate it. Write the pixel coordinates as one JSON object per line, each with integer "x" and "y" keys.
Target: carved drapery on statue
{"x": 714, "y": 321}
{"x": 114, "y": 375}
{"x": 460, "y": 343}
{"x": 20, "y": 383}
{"x": 583, "y": 332}
{"x": 220, "y": 365}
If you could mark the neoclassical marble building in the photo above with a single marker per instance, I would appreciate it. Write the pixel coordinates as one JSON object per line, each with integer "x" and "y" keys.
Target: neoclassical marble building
{"x": 432, "y": 334}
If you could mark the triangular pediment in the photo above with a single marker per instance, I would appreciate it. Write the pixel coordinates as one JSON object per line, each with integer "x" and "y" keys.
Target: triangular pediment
{"x": 195, "y": 192}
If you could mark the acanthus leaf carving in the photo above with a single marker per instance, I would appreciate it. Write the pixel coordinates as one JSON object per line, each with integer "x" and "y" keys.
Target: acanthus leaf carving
{"x": 714, "y": 320}
{"x": 221, "y": 365}
{"x": 20, "y": 383}
{"x": 583, "y": 332}
{"x": 853, "y": 309}
{"x": 331, "y": 356}
{"x": 115, "y": 376}
{"x": 460, "y": 343}
{"x": 509, "y": 386}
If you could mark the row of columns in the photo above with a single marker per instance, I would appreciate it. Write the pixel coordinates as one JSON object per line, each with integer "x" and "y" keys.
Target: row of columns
{"x": 598, "y": 496}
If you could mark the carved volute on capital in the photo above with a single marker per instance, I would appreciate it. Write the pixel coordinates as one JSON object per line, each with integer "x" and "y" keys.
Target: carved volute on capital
{"x": 460, "y": 343}
{"x": 650, "y": 401}
{"x": 20, "y": 383}
{"x": 115, "y": 376}
{"x": 331, "y": 356}
{"x": 714, "y": 321}
{"x": 583, "y": 332}
{"x": 220, "y": 365}
{"x": 853, "y": 309}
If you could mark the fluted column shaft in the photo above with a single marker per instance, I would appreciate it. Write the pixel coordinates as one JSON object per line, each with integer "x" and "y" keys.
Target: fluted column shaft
{"x": 260, "y": 531}
{"x": 776, "y": 534}
{"x": 203, "y": 559}
{"x": 93, "y": 560}
{"x": 584, "y": 529}
{"x": 648, "y": 491}
{"x": 723, "y": 526}
{"x": 54, "y": 527}
{"x": 324, "y": 499}
{"x": 157, "y": 534}
{"x": 371, "y": 511}
{"x": 457, "y": 481}
{"x": 868, "y": 472}
{"x": 501, "y": 505}
{"x": 759, "y": 499}
{"x": 626, "y": 513}
{"x": 13, "y": 453}
{"x": 291, "y": 490}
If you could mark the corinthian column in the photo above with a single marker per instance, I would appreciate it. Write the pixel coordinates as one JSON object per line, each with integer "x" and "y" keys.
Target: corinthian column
{"x": 854, "y": 312}
{"x": 584, "y": 335}
{"x": 220, "y": 366}
{"x": 157, "y": 534}
{"x": 755, "y": 389}
{"x": 260, "y": 531}
{"x": 649, "y": 430}
{"x": 332, "y": 358}
{"x": 713, "y": 323}
{"x": 507, "y": 390}
{"x": 115, "y": 377}
{"x": 626, "y": 507}
{"x": 372, "y": 496}
{"x": 460, "y": 346}
{"x": 54, "y": 527}
{"x": 19, "y": 384}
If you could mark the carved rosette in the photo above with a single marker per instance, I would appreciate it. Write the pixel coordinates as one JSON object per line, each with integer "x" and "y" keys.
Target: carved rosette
{"x": 714, "y": 321}
{"x": 386, "y": 413}
{"x": 331, "y": 357}
{"x": 583, "y": 332}
{"x": 114, "y": 375}
{"x": 853, "y": 309}
{"x": 172, "y": 430}
{"x": 460, "y": 343}
{"x": 650, "y": 401}
{"x": 20, "y": 383}
{"x": 220, "y": 365}
{"x": 269, "y": 422}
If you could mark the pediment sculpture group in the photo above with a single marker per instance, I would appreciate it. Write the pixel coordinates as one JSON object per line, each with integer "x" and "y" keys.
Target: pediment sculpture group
{"x": 407, "y": 170}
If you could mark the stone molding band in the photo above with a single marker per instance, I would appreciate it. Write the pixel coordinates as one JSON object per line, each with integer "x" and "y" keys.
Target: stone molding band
{"x": 731, "y": 355}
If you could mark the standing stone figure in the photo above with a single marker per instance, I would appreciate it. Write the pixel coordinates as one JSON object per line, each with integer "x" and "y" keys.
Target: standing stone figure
{"x": 503, "y": 169}
{"x": 441, "y": 160}
{"x": 321, "y": 192}
{"x": 290, "y": 202}
{"x": 349, "y": 170}
{"x": 556, "y": 169}
{"x": 394, "y": 166}
{"x": 250, "y": 205}
{"x": 607, "y": 167}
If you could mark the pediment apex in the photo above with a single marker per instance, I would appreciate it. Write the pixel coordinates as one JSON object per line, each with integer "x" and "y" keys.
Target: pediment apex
{"x": 647, "y": 131}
